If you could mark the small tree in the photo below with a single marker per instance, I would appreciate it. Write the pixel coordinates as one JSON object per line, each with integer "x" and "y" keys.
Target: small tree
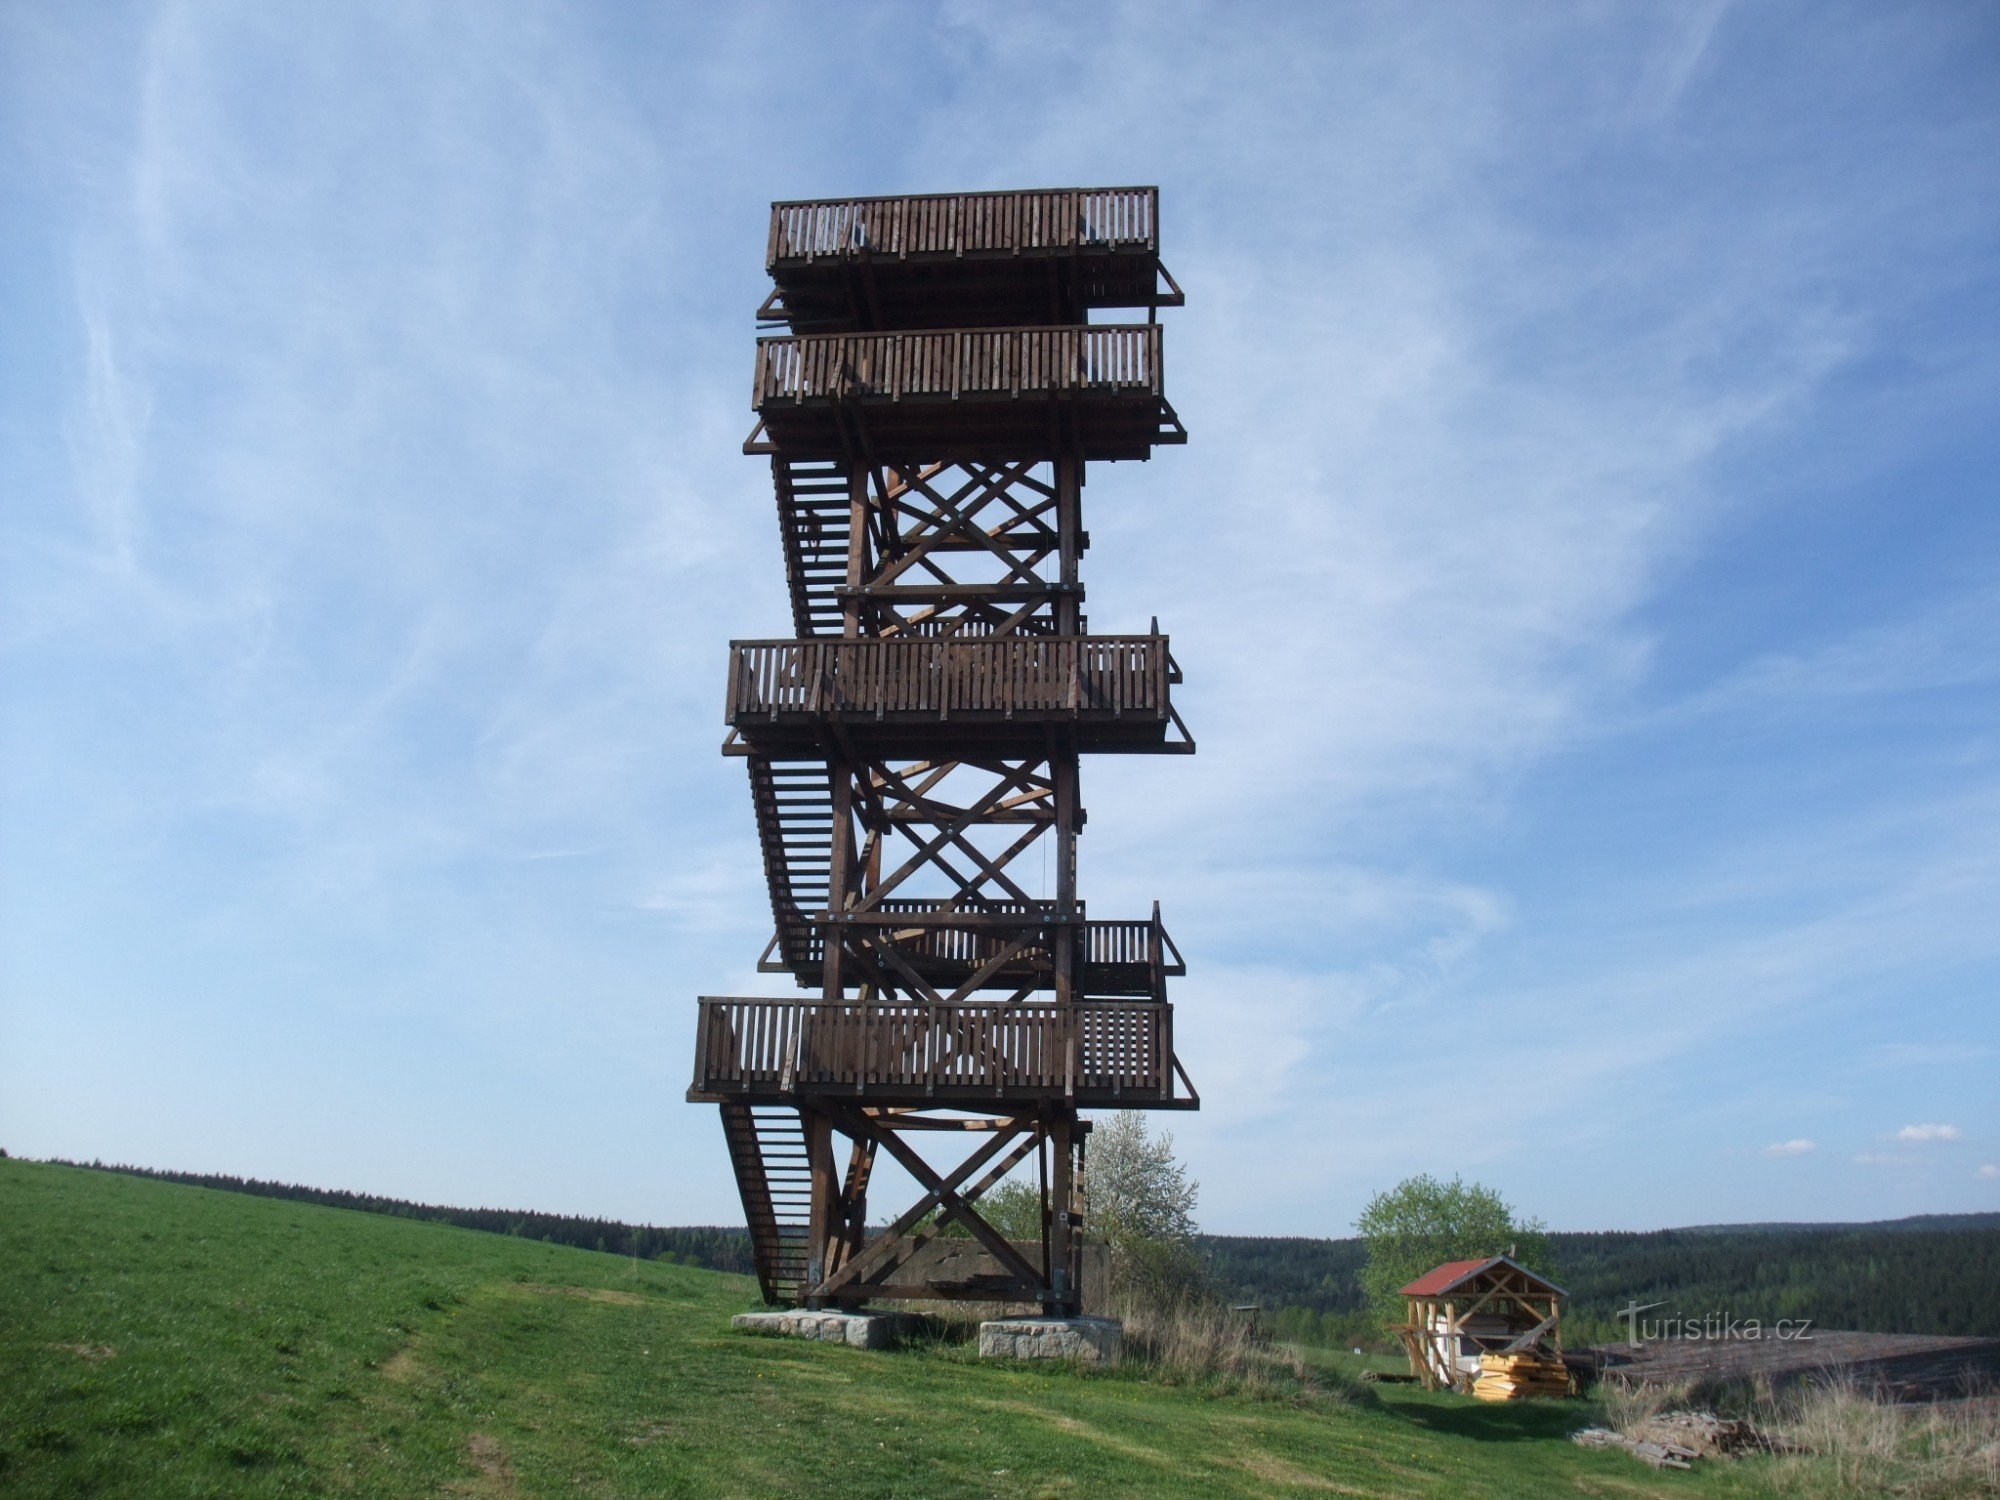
{"x": 1015, "y": 1209}
{"x": 1421, "y": 1223}
{"x": 1141, "y": 1205}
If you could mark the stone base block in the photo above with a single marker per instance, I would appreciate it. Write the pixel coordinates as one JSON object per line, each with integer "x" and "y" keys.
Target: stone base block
{"x": 1090, "y": 1341}
{"x": 858, "y": 1330}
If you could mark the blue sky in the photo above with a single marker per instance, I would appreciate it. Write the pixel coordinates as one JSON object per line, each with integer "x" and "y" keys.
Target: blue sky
{"x": 1585, "y": 564}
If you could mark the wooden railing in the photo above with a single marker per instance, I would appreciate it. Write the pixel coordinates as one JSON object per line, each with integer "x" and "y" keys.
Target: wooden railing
{"x": 1101, "y": 943}
{"x": 1112, "y": 675}
{"x": 779, "y": 1046}
{"x": 927, "y": 937}
{"x": 932, "y": 906}
{"x": 952, "y": 363}
{"x": 967, "y": 223}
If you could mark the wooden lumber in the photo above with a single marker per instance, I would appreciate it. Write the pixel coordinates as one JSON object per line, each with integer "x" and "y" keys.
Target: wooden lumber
{"x": 1659, "y": 1455}
{"x": 1507, "y": 1377}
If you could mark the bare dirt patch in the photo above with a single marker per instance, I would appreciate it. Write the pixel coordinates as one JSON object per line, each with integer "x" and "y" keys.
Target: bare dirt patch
{"x": 400, "y": 1366}
{"x": 92, "y": 1352}
{"x": 496, "y": 1471}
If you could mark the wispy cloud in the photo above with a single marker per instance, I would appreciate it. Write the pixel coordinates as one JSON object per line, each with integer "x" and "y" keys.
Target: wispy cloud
{"x": 1947, "y": 644}
{"x": 389, "y": 523}
{"x": 1930, "y": 1054}
{"x": 1927, "y": 1133}
{"x": 1673, "y": 68}
{"x": 1798, "y": 1147}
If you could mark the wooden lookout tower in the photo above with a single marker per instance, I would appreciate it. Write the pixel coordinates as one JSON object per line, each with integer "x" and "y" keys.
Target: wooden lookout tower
{"x": 929, "y": 402}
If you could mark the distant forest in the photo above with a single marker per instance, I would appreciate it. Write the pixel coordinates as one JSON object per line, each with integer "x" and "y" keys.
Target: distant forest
{"x": 717, "y": 1249}
{"x": 1937, "y": 1274}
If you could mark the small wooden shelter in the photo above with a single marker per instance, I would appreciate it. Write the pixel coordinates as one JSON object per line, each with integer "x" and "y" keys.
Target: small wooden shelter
{"x": 1468, "y": 1310}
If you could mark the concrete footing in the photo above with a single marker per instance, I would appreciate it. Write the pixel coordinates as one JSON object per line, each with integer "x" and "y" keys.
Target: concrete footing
{"x": 858, "y": 1330}
{"x": 1090, "y": 1341}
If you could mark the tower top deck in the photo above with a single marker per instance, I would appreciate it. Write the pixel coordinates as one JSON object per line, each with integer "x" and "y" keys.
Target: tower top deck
{"x": 965, "y": 260}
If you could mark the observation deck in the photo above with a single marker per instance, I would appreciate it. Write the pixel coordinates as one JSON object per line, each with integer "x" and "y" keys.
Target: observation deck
{"x": 1001, "y": 946}
{"x": 1097, "y": 1054}
{"x": 995, "y": 392}
{"x": 897, "y": 695}
{"x": 965, "y": 259}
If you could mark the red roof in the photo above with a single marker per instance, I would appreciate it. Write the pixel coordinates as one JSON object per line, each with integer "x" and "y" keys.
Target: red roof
{"x": 1452, "y": 1272}
{"x": 1448, "y": 1275}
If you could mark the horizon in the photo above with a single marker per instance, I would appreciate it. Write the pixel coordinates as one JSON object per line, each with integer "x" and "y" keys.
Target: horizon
{"x": 170, "y": 1173}
{"x": 1592, "y": 661}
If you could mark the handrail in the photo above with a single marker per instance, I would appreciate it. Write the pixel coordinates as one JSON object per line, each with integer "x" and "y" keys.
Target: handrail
{"x": 932, "y": 675}
{"x": 925, "y": 935}
{"x": 744, "y": 1043}
{"x": 1012, "y": 222}
{"x": 953, "y": 363}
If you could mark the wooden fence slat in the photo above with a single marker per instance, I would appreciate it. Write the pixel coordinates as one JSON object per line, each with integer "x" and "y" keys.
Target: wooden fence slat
{"x": 1125, "y": 1044}
{"x": 1013, "y": 362}
{"x": 961, "y": 223}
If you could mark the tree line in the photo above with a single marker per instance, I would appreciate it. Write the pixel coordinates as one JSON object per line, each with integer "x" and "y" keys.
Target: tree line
{"x": 713, "y": 1247}
{"x": 1940, "y": 1275}
{"x": 1887, "y": 1278}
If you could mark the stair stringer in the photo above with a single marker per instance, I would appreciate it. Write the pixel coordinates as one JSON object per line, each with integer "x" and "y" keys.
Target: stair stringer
{"x": 775, "y": 1184}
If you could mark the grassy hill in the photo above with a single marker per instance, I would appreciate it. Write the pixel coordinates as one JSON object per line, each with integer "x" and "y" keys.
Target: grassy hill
{"x": 167, "y": 1340}
{"x": 1935, "y": 1273}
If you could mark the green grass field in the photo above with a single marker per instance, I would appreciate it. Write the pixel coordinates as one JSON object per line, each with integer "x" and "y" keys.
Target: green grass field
{"x": 165, "y": 1340}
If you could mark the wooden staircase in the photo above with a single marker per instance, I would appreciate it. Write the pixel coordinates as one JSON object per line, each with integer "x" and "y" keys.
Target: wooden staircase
{"x": 816, "y": 521}
{"x": 767, "y": 1148}
{"x": 794, "y": 803}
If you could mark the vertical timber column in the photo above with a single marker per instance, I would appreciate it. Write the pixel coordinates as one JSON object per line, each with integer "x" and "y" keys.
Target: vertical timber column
{"x": 841, "y": 857}
{"x": 1063, "y": 779}
{"x": 1069, "y": 537}
{"x": 1062, "y": 1133}
{"x": 825, "y": 1195}
{"x": 1062, "y": 752}
{"x": 827, "y": 1225}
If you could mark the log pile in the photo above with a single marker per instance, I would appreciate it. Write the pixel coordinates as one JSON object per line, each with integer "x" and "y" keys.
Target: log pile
{"x": 1508, "y": 1377}
{"x": 1676, "y": 1439}
{"x": 1704, "y": 1433}
{"x": 1659, "y": 1455}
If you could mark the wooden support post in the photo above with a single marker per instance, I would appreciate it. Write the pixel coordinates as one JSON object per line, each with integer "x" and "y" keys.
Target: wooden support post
{"x": 1068, "y": 1296}
{"x": 857, "y": 549}
{"x": 1046, "y": 1221}
{"x": 1069, "y": 532}
{"x": 822, "y": 1224}
{"x": 852, "y": 1229}
{"x": 1063, "y": 775}
{"x": 840, "y": 881}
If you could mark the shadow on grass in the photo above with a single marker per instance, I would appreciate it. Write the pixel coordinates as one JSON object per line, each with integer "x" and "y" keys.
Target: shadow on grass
{"x": 1489, "y": 1421}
